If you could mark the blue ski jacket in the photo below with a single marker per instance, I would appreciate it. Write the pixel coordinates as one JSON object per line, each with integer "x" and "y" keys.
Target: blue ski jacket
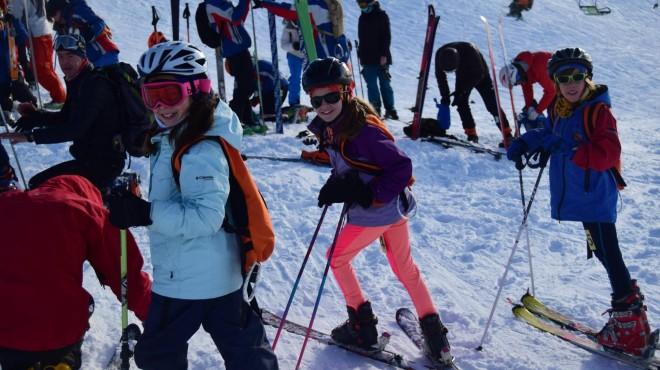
{"x": 267, "y": 77}
{"x": 582, "y": 187}
{"x": 100, "y": 48}
{"x": 227, "y": 20}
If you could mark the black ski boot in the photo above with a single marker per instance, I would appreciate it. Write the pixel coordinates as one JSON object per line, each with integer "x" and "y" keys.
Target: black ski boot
{"x": 391, "y": 114}
{"x": 435, "y": 336}
{"x": 360, "y": 328}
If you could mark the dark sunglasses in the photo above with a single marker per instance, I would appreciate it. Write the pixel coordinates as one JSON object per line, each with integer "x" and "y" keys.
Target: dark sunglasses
{"x": 577, "y": 77}
{"x": 330, "y": 98}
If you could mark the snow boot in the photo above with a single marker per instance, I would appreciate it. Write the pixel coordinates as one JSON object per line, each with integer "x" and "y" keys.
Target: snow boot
{"x": 472, "y": 135}
{"x": 435, "y": 337}
{"x": 391, "y": 114}
{"x": 360, "y": 328}
{"x": 628, "y": 329}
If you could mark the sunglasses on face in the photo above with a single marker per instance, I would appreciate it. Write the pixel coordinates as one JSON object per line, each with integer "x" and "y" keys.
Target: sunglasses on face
{"x": 577, "y": 77}
{"x": 330, "y": 98}
{"x": 171, "y": 93}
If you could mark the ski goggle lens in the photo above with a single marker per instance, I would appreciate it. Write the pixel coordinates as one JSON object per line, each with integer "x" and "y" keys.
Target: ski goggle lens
{"x": 577, "y": 77}
{"x": 169, "y": 94}
{"x": 330, "y": 98}
{"x": 69, "y": 43}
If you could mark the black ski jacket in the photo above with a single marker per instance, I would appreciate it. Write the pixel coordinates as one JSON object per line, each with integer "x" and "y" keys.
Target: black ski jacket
{"x": 375, "y": 37}
{"x": 471, "y": 69}
{"x": 90, "y": 118}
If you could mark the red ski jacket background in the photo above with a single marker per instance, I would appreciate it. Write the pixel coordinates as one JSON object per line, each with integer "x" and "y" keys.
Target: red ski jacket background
{"x": 47, "y": 235}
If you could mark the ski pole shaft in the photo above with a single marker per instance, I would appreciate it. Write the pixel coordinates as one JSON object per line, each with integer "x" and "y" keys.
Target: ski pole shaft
{"x": 186, "y": 16}
{"x": 300, "y": 272}
{"x": 13, "y": 150}
{"x": 124, "y": 301}
{"x": 256, "y": 67}
{"x": 278, "y": 88}
{"x": 508, "y": 264}
{"x": 320, "y": 292}
{"x": 491, "y": 56}
{"x": 357, "y": 47}
{"x": 154, "y": 18}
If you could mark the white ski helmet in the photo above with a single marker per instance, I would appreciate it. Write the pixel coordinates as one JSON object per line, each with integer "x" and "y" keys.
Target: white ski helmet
{"x": 509, "y": 75}
{"x": 173, "y": 57}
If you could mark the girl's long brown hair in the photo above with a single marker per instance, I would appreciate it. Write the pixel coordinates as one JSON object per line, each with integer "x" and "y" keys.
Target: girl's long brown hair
{"x": 198, "y": 122}
{"x": 355, "y": 118}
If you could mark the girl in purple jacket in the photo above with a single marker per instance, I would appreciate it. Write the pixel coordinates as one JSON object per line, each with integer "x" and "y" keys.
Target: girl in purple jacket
{"x": 371, "y": 175}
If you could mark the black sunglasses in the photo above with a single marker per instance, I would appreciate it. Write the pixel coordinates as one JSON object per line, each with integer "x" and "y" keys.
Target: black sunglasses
{"x": 330, "y": 98}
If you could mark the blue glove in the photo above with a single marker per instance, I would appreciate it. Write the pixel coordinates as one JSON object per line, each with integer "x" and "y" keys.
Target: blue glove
{"x": 516, "y": 150}
{"x": 444, "y": 120}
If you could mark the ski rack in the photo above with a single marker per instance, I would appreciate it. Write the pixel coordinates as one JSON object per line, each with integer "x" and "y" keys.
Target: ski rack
{"x": 593, "y": 8}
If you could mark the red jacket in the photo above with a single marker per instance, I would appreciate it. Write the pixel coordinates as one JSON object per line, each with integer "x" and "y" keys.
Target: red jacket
{"x": 47, "y": 235}
{"x": 537, "y": 72}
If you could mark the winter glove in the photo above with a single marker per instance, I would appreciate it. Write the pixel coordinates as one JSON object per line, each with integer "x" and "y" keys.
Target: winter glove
{"x": 516, "y": 150}
{"x": 256, "y": 4}
{"x": 444, "y": 120}
{"x": 347, "y": 188}
{"x": 26, "y": 108}
{"x": 128, "y": 210}
{"x": 532, "y": 114}
{"x": 26, "y": 123}
{"x": 310, "y": 140}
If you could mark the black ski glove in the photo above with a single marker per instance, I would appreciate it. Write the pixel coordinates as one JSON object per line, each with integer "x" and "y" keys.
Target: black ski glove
{"x": 256, "y": 4}
{"x": 347, "y": 188}
{"x": 26, "y": 123}
{"x": 128, "y": 210}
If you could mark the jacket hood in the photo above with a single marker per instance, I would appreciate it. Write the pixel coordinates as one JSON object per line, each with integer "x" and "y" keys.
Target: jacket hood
{"x": 227, "y": 125}
{"x": 76, "y": 185}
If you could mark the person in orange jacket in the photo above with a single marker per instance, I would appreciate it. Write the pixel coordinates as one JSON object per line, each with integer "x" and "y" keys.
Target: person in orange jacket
{"x": 527, "y": 69}
{"x": 48, "y": 234}
{"x": 40, "y": 31}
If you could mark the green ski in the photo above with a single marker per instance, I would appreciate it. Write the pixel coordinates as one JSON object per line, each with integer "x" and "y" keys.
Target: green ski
{"x": 305, "y": 23}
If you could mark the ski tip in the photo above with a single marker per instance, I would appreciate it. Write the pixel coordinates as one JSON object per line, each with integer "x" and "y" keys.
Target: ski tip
{"x": 402, "y": 311}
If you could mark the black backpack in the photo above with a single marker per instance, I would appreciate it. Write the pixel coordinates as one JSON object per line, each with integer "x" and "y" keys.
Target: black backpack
{"x": 137, "y": 121}
{"x": 206, "y": 33}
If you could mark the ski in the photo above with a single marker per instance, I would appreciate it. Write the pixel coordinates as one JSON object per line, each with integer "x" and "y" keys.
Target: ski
{"x": 500, "y": 113}
{"x": 429, "y": 40}
{"x": 537, "y": 307}
{"x": 449, "y": 142}
{"x": 384, "y": 356}
{"x": 585, "y": 343}
{"x": 220, "y": 69}
{"x": 306, "y": 29}
{"x": 284, "y": 159}
{"x": 272, "y": 28}
{"x": 410, "y": 325}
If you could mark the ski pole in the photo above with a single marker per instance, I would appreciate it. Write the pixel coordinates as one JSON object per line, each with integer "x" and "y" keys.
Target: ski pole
{"x": 13, "y": 150}
{"x": 272, "y": 28}
{"x": 174, "y": 5}
{"x": 300, "y": 272}
{"x": 517, "y": 134}
{"x": 357, "y": 48}
{"x": 186, "y": 16}
{"x": 350, "y": 54}
{"x": 256, "y": 66}
{"x": 125, "y": 351}
{"x": 154, "y": 18}
{"x": 32, "y": 54}
{"x": 344, "y": 211}
{"x": 513, "y": 250}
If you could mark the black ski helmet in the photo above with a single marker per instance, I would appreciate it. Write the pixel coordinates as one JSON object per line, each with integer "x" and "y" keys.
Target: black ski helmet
{"x": 447, "y": 59}
{"x": 328, "y": 71}
{"x": 575, "y": 56}
{"x": 52, "y": 6}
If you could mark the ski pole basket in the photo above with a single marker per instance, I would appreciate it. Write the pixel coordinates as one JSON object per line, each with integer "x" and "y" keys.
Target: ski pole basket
{"x": 592, "y": 8}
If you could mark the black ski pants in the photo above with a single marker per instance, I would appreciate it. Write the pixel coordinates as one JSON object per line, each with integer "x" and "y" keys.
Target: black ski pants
{"x": 11, "y": 359}
{"x": 487, "y": 92}
{"x": 269, "y": 100}
{"x": 606, "y": 248}
{"x": 242, "y": 69}
{"x": 101, "y": 174}
{"x": 235, "y": 328}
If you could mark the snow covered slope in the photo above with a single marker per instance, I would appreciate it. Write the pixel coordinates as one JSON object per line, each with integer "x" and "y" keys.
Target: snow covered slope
{"x": 469, "y": 204}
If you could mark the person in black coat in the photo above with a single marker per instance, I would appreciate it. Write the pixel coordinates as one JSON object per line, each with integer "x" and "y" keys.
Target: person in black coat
{"x": 375, "y": 57}
{"x": 90, "y": 118}
{"x": 471, "y": 72}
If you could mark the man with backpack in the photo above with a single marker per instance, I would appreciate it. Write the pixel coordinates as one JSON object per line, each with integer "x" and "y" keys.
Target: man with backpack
{"x": 91, "y": 118}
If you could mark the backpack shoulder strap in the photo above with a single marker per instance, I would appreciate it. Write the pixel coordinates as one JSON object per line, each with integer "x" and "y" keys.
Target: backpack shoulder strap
{"x": 178, "y": 154}
{"x": 589, "y": 115}
{"x": 364, "y": 166}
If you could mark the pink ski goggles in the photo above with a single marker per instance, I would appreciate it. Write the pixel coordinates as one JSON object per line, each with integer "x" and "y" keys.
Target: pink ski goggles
{"x": 172, "y": 93}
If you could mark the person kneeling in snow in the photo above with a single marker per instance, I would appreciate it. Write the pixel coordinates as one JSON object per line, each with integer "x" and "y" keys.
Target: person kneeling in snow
{"x": 582, "y": 142}
{"x": 48, "y": 233}
{"x": 371, "y": 176}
